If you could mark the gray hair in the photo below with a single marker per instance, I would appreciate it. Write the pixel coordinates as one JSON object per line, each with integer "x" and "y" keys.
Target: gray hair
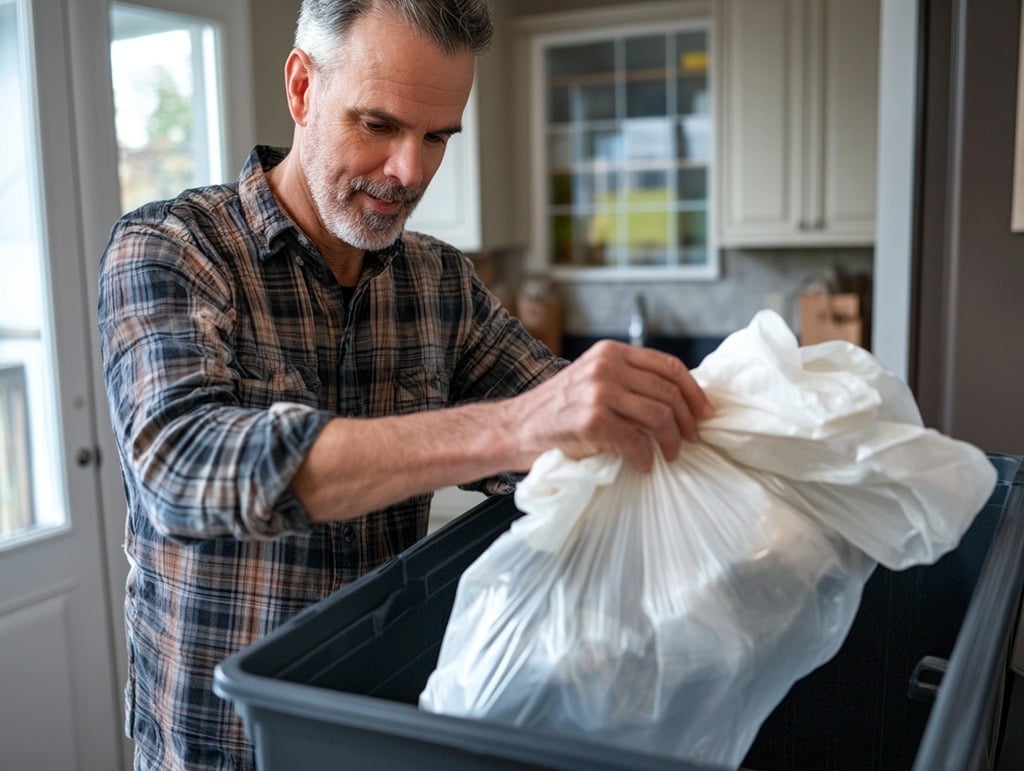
{"x": 453, "y": 25}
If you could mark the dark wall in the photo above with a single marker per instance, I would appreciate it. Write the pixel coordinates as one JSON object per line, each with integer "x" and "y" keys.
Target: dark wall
{"x": 968, "y": 363}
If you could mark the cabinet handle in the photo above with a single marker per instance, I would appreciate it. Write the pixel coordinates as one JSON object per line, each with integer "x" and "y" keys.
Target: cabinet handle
{"x": 806, "y": 225}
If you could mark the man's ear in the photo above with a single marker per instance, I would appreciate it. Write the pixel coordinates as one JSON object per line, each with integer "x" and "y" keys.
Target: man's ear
{"x": 298, "y": 71}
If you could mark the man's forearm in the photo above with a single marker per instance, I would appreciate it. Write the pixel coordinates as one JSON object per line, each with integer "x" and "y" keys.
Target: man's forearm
{"x": 359, "y": 465}
{"x": 614, "y": 398}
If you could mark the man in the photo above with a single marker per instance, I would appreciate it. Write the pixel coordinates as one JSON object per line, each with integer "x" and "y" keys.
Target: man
{"x": 290, "y": 374}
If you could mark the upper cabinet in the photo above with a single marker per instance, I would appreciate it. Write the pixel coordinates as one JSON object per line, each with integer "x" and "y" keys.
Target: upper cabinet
{"x": 797, "y": 119}
{"x": 622, "y": 141}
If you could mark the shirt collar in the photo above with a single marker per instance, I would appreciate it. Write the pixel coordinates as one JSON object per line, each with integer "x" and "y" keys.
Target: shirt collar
{"x": 269, "y": 221}
{"x": 265, "y": 218}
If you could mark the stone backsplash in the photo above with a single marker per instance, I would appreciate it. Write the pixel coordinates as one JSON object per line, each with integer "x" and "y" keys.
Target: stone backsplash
{"x": 750, "y": 280}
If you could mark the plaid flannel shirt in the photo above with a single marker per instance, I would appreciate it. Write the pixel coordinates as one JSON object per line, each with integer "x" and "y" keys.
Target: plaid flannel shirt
{"x": 227, "y": 345}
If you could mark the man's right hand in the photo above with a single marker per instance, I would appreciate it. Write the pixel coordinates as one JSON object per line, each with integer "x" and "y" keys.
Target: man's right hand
{"x": 614, "y": 398}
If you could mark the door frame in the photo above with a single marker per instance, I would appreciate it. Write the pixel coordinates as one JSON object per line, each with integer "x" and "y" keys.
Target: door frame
{"x": 99, "y": 202}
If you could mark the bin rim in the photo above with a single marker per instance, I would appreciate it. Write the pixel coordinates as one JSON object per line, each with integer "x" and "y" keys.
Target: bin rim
{"x": 473, "y": 735}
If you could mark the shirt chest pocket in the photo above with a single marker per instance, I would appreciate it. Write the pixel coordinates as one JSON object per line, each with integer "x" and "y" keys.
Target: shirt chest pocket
{"x": 419, "y": 388}
{"x": 263, "y": 382}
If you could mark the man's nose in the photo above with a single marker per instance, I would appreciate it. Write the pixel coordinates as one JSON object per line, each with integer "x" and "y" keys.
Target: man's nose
{"x": 405, "y": 163}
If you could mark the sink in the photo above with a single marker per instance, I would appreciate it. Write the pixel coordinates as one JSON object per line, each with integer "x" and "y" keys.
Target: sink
{"x": 691, "y": 349}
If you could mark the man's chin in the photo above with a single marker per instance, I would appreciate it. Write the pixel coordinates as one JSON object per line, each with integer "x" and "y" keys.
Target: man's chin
{"x": 369, "y": 238}
{"x": 374, "y": 244}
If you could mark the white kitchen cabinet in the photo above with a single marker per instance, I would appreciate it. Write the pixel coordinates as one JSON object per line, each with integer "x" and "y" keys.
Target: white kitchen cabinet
{"x": 450, "y": 209}
{"x": 797, "y": 116}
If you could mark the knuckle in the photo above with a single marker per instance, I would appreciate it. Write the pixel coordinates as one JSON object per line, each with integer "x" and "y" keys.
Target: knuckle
{"x": 603, "y": 347}
{"x": 594, "y": 393}
{"x": 664, "y": 415}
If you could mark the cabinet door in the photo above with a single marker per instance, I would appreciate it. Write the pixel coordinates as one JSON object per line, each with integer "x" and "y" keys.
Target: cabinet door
{"x": 798, "y": 113}
{"x": 845, "y": 204}
{"x": 761, "y": 118}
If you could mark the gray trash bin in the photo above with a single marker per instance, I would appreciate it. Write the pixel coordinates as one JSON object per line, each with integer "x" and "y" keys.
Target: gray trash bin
{"x": 337, "y": 685}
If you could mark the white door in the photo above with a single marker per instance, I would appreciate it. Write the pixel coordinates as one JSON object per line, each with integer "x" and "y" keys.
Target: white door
{"x": 58, "y": 693}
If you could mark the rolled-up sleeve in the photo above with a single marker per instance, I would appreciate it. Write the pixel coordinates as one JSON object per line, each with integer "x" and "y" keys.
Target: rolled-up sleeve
{"x": 204, "y": 462}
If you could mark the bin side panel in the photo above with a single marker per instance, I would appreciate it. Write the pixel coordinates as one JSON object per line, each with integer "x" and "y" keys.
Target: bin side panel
{"x": 853, "y": 713}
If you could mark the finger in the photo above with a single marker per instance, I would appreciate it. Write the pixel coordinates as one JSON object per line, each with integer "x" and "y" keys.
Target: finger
{"x": 674, "y": 370}
{"x": 667, "y": 423}
{"x": 666, "y": 391}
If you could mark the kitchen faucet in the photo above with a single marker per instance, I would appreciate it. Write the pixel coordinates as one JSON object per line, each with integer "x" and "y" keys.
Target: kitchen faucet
{"x": 638, "y": 322}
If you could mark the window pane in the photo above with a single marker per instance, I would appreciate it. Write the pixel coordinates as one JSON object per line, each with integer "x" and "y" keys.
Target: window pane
{"x": 31, "y": 477}
{"x": 166, "y": 102}
{"x": 648, "y": 226}
{"x": 646, "y": 81}
{"x": 584, "y": 239}
{"x": 570, "y": 63}
{"x": 693, "y": 73}
{"x": 582, "y": 83}
{"x": 692, "y": 184}
{"x": 603, "y": 146}
{"x": 694, "y": 138}
{"x": 649, "y": 139}
{"x": 693, "y": 237}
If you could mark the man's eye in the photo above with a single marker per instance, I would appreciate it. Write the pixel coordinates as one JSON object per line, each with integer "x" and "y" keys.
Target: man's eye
{"x": 437, "y": 139}
{"x": 377, "y": 128}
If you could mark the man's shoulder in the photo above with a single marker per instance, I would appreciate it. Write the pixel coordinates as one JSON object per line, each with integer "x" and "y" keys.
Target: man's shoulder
{"x": 198, "y": 206}
{"x": 210, "y": 215}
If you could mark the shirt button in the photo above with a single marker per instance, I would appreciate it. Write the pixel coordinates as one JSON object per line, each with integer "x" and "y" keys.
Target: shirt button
{"x": 348, "y": 533}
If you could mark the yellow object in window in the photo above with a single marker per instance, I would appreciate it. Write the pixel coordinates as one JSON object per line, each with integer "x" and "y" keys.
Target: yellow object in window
{"x": 693, "y": 61}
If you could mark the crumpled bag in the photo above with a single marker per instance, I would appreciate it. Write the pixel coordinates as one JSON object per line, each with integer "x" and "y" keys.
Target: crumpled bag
{"x": 670, "y": 612}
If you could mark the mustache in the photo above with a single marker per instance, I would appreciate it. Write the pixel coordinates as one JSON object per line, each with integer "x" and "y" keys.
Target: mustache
{"x": 391, "y": 192}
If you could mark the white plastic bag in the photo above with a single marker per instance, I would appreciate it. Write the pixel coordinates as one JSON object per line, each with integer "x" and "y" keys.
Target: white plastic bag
{"x": 670, "y": 612}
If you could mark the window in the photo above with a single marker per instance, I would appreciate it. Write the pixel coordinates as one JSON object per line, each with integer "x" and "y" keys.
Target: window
{"x": 627, "y": 151}
{"x": 167, "y": 103}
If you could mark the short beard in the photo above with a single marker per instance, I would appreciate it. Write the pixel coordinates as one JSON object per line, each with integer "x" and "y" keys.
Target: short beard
{"x": 385, "y": 227}
{"x": 362, "y": 228}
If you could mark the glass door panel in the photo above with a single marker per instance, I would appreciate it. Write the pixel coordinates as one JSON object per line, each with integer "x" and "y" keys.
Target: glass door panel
{"x": 692, "y": 233}
{"x": 646, "y": 76}
{"x": 167, "y": 103}
{"x": 628, "y": 141}
{"x": 31, "y": 473}
{"x": 602, "y": 146}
